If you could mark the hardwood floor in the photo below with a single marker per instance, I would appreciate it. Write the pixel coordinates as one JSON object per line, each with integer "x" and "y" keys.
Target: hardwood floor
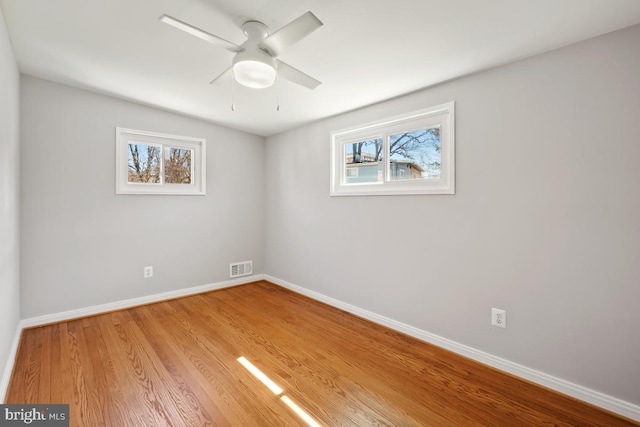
{"x": 174, "y": 363}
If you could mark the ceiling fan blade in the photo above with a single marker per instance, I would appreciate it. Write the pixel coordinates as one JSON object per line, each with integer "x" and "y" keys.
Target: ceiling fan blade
{"x": 201, "y": 34}
{"x": 286, "y": 71}
{"x": 225, "y": 73}
{"x": 290, "y": 34}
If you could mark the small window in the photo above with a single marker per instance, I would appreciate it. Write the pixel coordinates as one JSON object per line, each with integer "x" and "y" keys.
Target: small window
{"x": 408, "y": 154}
{"x": 156, "y": 163}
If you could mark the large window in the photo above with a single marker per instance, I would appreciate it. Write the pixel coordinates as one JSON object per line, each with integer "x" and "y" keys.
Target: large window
{"x": 156, "y": 163}
{"x": 408, "y": 154}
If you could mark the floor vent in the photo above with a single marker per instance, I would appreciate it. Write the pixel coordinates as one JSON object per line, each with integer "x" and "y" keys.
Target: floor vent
{"x": 243, "y": 268}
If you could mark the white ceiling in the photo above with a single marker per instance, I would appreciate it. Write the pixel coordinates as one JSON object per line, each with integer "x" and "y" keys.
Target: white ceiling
{"x": 367, "y": 51}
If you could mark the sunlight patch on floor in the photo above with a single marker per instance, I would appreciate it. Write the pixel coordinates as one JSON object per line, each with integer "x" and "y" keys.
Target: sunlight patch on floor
{"x": 302, "y": 414}
{"x": 264, "y": 379}
{"x": 260, "y": 375}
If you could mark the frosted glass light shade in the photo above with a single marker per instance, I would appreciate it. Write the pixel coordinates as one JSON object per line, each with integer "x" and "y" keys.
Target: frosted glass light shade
{"x": 254, "y": 74}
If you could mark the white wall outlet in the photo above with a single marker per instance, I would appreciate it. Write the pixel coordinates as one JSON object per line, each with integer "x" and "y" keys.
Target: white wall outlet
{"x": 498, "y": 318}
{"x": 148, "y": 272}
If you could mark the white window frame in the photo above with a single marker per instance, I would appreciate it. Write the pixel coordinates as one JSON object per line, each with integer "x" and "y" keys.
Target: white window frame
{"x": 441, "y": 115}
{"x": 125, "y": 136}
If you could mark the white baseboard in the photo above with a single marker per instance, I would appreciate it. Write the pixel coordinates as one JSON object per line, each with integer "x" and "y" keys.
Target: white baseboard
{"x": 148, "y": 299}
{"x": 602, "y": 400}
{"x": 8, "y": 367}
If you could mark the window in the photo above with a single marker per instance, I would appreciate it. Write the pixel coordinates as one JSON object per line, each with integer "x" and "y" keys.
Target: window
{"x": 156, "y": 163}
{"x": 408, "y": 154}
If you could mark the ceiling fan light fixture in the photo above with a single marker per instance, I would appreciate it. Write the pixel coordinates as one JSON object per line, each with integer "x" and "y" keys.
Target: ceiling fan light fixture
{"x": 254, "y": 74}
{"x": 256, "y": 69}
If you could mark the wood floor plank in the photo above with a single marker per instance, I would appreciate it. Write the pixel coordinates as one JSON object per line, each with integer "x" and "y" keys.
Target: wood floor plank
{"x": 34, "y": 355}
{"x": 138, "y": 383}
{"x": 135, "y": 409}
{"x": 183, "y": 371}
{"x": 174, "y": 363}
{"x": 106, "y": 392}
{"x": 171, "y": 388}
{"x": 44, "y": 389}
{"x": 58, "y": 359}
{"x": 85, "y": 393}
{"x": 68, "y": 384}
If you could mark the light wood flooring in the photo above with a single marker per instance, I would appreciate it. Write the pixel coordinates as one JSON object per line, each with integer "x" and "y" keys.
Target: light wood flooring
{"x": 175, "y": 364}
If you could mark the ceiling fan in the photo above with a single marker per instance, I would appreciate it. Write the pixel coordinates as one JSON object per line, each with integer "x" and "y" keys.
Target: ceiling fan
{"x": 254, "y": 64}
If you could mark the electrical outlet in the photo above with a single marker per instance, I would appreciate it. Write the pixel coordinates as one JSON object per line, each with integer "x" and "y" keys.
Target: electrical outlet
{"x": 498, "y": 318}
{"x": 148, "y": 272}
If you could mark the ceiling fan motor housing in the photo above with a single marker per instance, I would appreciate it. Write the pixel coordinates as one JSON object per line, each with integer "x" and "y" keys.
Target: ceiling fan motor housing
{"x": 255, "y": 31}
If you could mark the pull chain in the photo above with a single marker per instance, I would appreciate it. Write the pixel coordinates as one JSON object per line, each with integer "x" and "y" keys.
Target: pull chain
{"x": 277, "y": 92}
{"x": 233, "y": 91}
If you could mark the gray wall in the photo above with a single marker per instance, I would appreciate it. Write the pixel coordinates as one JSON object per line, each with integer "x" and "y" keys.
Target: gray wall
{"x": 83, "y": 245}
{"x": 545, "y": 223}
{"x": 9, "y": 197}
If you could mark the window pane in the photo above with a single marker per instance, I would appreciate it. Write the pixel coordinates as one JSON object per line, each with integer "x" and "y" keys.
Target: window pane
{"x": 363, "y": 161}
{"x": 144, "y": 163}
{"x": 415, "y": 155}
{"x": 177, "y": 165}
